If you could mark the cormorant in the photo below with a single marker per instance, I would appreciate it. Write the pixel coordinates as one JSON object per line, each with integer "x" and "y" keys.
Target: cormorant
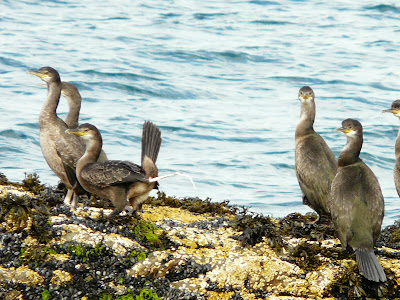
{"x": 74, "y": 99}
{"x": 395, "y": 110}
{"x": 122, "y": 182}
{"x": 60, "y": 150}
{"x": 315, "y": 163}
{"x": 357, "y": 204}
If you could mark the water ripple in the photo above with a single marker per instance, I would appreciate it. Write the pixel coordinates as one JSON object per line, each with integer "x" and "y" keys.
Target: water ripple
{"x": 220, "y": 78}
{"x": 383, "y": 8}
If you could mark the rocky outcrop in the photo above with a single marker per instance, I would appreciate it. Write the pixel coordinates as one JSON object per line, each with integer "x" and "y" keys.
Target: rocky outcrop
{"x": 178, "y": 249}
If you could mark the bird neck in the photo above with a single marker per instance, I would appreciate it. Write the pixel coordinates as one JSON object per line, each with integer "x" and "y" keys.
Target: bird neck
{"x": 351, "y": 151}
{"x": 72, "y": 119}
{"x": 53, "y": 98}
{"x": 92, "y": 152}
{"x": 307, "y": 117}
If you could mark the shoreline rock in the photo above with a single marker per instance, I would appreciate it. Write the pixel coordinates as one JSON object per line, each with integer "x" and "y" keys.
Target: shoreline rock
{"x": 178, "y": 249}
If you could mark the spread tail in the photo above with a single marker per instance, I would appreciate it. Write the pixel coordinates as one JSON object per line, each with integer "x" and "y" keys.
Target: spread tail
{"x": 369, "y": 265}
{"x": 151, "y": 141}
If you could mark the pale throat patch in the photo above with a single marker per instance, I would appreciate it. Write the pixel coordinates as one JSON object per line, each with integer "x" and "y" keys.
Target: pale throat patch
{"x": 351, "y": 133}
{"x": 305, "y": 100}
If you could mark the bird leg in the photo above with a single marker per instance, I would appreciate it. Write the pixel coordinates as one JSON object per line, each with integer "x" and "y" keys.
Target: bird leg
{"x": 74, "y": 201}
{"x": 170, "y": 175}
{"x": 132, "y": 212}
{"x": 68, "y": 197}
{"x": 114, "y": 213}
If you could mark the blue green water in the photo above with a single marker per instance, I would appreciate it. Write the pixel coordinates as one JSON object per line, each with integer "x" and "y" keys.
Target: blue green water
{"x": 220, "y": 78}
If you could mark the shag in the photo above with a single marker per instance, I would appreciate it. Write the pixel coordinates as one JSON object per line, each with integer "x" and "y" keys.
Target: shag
{"x": 395, "y": 110}
{"x": 74, "y": 99}
{"x": 357, "y": 204}
{"x": 315, "y": 163}
{"x": 60, "y": 150}
{"x": 122, "y": 182}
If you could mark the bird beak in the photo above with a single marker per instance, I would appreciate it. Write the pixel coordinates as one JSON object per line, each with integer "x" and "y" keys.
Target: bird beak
{"x": 341, "y": 129}
{"x": 38, "y": 74}
{"x": 344, "y": 130}
{"x": 75, "y": 131}
{"x": 393, "y": 111}
{"x": 304, "y": 98}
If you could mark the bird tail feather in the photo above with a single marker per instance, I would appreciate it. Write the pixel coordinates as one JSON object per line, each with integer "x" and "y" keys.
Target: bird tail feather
{"x": 369, "y": 265}
{"x": 151, "y": 141}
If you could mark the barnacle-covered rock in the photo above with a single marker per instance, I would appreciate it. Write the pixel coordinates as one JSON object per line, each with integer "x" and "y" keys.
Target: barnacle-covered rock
{"x": 178, "y": 249}
{"x": 82, "y": 234}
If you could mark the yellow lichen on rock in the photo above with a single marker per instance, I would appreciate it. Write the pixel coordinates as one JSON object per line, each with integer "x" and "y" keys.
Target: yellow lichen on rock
{"x": 58, "y": 256}
{"x": 222, "y": 296}
{"x": 119, "y": 289}
{"x": 160, "y": 213}
{"x": 61, "y": 277}
{"x": 394, "y": 266}
{"x": 20, "y": 275}
{"x": 11, "y": 189}
{"x": 321, "y": 279}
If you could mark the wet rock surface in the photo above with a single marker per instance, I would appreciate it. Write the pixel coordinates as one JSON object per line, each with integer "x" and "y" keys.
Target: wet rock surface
{"x": 177, "y": 249}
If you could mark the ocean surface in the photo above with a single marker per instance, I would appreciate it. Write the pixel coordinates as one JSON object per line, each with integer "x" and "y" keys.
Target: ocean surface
{"x": 220, "y": 78}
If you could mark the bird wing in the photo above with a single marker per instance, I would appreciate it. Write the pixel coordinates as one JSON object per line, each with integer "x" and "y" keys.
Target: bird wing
{"x": 396, "y": 173}
{"x": 113, "y": 172}
{"x": 357, "y": 205}
{"x": 375, "y": 202}
{"x": 316, "y": 167}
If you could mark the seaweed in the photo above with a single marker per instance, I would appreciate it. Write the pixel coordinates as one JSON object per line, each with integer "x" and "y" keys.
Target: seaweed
{"x": 88, "y": 253}
{"x": 309, "y": 255}
{"x": 148, "y": 234}
{"x": 195, "y": 205}
{"x": 351, "y": 284}
{"x": 390, "y": 236}
{"x": 3, "y": 179}
{"x": 34, "y": 254}
{"x": 32, "y": 183}
{"x": 187, "y": 269}
{"x": 144, "y": 294}
{"x": 254, "y": 228}
{"x": 296, "y": 225}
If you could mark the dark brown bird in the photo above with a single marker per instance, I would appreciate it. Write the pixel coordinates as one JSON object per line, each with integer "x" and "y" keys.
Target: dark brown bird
{"x": 74, "y": 100}
{"x": 60, "y": 150}
{"x": 357, "y": 204}
{"x": 315, "y": 163}
{"x": 395, "y": 110}
{"x": 122, "y": 182}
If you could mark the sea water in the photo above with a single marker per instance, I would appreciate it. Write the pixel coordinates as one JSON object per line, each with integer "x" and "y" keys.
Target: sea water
{"x": 220, "y": 79}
